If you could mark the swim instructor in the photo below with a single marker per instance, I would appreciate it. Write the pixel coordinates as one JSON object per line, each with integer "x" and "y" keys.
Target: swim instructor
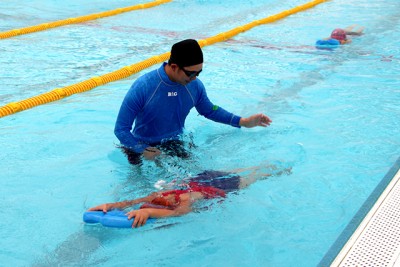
{"x": 158, "y": 103}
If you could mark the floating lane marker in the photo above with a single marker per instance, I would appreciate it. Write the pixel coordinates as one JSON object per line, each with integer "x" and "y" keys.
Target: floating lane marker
{"x": 59, "y": 23}
{"x": 127, "y": 71}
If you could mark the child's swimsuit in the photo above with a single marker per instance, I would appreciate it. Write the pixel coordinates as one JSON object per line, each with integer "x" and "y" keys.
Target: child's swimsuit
{"x": 221, "y": 180}
{"x": 210, "y": 184}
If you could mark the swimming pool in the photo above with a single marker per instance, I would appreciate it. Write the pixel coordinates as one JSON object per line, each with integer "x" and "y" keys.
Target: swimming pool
{"x": 335, "y": 122}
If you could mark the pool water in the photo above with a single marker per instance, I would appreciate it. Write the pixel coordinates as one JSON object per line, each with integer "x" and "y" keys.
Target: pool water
{"x": 335, "y": 123}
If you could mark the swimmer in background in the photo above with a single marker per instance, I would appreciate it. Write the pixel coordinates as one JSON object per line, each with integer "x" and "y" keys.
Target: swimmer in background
{"x": 339, "y": 36}
{"x": 179, "y": 201}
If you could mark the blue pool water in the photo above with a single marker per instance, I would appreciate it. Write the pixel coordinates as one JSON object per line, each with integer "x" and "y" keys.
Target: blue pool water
{"x": 335, "y": 122}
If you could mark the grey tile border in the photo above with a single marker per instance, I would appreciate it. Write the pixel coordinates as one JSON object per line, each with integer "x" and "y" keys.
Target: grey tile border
{"x": 359, "y": 216}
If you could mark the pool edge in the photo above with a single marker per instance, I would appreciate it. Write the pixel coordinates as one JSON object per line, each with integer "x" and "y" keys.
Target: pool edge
{"x": 358, "y": 218}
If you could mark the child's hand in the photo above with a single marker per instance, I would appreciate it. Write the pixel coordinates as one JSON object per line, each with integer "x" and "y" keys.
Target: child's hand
{"x": 141, "y": 217}
{"x": 103, "y": 207}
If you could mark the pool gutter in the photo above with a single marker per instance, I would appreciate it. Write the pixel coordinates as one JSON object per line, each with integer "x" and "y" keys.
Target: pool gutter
{"x": 372, "y": 238}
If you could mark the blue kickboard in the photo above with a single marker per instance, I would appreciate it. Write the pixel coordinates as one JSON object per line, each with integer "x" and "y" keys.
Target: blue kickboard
{"x": 113, "y": 218}
{"x": 327, "y": 44}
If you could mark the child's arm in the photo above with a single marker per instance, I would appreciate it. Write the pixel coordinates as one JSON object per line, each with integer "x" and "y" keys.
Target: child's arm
{"x": 350, "y": 30}
{"x": 123, "y": 204}
{"x": 142, "y": 215}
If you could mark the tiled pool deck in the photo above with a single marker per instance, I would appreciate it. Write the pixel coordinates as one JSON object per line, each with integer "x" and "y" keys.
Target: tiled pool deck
{"x": 375, "y": 241}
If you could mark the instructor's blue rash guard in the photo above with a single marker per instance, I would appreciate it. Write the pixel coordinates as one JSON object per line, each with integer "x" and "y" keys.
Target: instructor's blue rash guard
{"x": 159, "y": 107}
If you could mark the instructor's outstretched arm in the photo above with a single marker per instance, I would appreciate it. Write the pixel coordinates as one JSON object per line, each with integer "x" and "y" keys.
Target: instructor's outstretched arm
{"x": 255, "y": 120}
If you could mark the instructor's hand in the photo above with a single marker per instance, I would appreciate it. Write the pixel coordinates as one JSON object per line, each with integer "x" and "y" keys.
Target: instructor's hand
{"x": 150, "y": 153}
{"x": 255, "y": 120}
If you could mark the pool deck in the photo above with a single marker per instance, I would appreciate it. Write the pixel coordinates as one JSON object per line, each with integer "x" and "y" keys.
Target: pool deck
{"x": 376, "y": 240}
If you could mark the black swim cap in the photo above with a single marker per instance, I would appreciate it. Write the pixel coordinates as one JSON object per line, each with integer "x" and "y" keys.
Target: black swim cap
{"x": 186, "y": 53}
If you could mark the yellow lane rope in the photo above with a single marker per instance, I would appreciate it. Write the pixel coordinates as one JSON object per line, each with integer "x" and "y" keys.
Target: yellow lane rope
{"x": 127, "y": 71}
{"x": 59, "y": 23}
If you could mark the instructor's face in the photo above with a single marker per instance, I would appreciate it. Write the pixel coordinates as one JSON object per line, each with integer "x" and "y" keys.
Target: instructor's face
{"x": 187, "y": 74}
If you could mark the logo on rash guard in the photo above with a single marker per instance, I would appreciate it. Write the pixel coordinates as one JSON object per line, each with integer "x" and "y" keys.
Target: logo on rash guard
{"x": 172, "y": 93}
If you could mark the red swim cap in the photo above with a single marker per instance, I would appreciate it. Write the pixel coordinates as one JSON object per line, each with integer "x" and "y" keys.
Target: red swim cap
{"x": 339, "y": 34}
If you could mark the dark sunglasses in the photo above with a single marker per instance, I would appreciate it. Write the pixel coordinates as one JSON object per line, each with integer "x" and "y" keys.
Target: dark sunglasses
{"x": 191, "y": 74}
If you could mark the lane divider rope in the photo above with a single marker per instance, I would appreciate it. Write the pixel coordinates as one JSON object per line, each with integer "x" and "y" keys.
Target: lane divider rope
{"x": 127, "y": 71}
{"x": 59, "y": 23}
